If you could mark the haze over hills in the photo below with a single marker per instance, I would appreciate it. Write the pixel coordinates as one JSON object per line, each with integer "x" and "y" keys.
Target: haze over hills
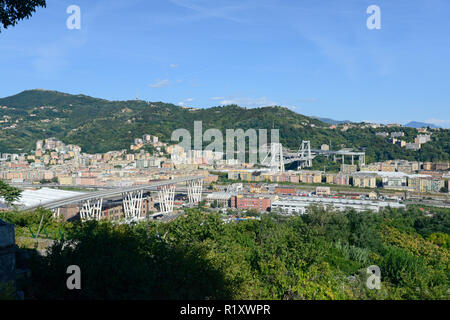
{"x": 331, "y": 121}
{"x": 99, "y": 125}
{"x": 411, "y": 124}
{"x": 416, "y": 124}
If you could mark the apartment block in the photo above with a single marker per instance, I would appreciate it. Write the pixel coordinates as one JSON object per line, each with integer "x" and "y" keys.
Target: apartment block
{"x": 422, "y": 138}
{"x": 311, "y": 176}
{"x": 426, "y": 184}
{"x": 412, "y": 146}
{"x": 257, "y": 203}
{"x": 364, "y": 181}
{"x": 394, "y": 182}
{"x": 288, "y": 191}
{"x": 348, "y": 168}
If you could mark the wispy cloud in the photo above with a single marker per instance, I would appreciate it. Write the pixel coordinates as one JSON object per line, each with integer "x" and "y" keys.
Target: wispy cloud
{"x": 247, "y": 102}
{"x": 185, "y": 102}
{"x": 210, "y": 9}
{"x": 160, "y": 83}
{"x": 173, "y": 65}
{"x": 439, "y": 122}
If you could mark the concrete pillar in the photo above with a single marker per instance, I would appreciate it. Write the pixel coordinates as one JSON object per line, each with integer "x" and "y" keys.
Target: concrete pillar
{"x": 166, "y": 198}
{"x": 132, "y": 204}
{"x": 91, "y": 210}
{"x": 195, "y": 189}
{"x": 56, "y": 213}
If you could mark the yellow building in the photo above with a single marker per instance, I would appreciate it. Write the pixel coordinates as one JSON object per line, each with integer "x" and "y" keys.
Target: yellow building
{"x": 65, "y": 180}
{"x": 311, "y": 176}
{"x": 364, "y": 181}
{"x": 426, "y": 184}
{"x": 331, "y": 178}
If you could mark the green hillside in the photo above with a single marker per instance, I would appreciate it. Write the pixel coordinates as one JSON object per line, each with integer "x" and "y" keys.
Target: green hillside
{"x": 99, "y": 125}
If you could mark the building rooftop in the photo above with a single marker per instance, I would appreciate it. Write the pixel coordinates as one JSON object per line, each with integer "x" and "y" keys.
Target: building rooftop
{"x": 31, "y": 197}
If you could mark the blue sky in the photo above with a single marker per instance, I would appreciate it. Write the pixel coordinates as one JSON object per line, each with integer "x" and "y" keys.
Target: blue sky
{"x": 316, "y": 57}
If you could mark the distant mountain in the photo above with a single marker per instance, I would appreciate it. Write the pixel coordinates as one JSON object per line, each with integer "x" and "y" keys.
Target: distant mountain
{"x": 99, "y": 125}
{"x": 331, "y": 121}
{"x": 417, "y": 125}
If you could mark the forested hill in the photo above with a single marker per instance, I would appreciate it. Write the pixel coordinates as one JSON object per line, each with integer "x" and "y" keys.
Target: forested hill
{"x": 99, "y": 125}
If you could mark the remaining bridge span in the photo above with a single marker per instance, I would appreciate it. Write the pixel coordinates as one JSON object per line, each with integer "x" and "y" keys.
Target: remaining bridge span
{"x": 111, "y": 193}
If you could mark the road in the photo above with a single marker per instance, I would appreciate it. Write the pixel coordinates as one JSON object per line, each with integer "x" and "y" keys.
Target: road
{"x": 110, "y": 193}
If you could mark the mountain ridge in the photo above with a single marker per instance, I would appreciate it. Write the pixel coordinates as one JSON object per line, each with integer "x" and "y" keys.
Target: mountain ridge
{"x": 418, "y": 125}
{"x": 100, "y": 125}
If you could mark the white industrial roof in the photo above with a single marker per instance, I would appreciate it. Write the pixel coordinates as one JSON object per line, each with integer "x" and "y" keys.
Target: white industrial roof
{"x": 30, "y": 197}
{"x": 394, "y": 174}
{"x": 219, "y": 196}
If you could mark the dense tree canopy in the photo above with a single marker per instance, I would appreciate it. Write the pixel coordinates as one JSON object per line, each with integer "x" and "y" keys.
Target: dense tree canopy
{"x": 11, "y": 11}
{"x": 9, "y": 193}
{"x": 321, "y": 255}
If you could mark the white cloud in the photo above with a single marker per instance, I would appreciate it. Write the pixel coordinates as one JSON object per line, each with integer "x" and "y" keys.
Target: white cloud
{"x": 248, "y": 102}
{"x": 173, "y": 65}
{"x": 217, "y": 98}
{"x": 185, "y": 102}
{"x": 160, "y": 83}
{"x": 439, "y": 122}
{"x": 209, "y": 9}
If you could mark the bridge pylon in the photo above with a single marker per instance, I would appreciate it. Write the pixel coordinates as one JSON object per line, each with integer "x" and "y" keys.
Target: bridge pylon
{"x": 305, "y": 154}
{"x": 91, "y": 210}
{"x": 195, "y": 188}
{"x": 166, "y": 197}
{"x": 132, "y": 204}
{"x": 274, "y": 156}
{"x": 56, "y": 213}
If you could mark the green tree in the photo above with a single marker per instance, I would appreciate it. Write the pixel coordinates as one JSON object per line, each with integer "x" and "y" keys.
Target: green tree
{"x": 11, "y": 11}
{"x": 10, "y": 194}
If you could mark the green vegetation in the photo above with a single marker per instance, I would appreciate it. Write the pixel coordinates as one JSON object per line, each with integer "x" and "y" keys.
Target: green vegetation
{"x": 321, "y": 255}
{"x": 11, "y": 11}
{"x": 10, "y": 194}
{"x": 99, "y": 126}
{"x": 37, "y": 224}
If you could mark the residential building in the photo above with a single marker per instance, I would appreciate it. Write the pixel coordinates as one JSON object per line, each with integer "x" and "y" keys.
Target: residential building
{"x": 245, "y": 202}
{"x": 422, "y": 138}
{"x": 323, "y": 191}
{"x": 397, "y": 134}
{"x": 365, "y": 180}
{"x": 310, "y": 176}
{"x": 426, "y": 184}
{"x": 397, "y": 180}
{"x": 348, "y": 168}
{"x": 286, "y": 191}
{"x": 412, "y": 146}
